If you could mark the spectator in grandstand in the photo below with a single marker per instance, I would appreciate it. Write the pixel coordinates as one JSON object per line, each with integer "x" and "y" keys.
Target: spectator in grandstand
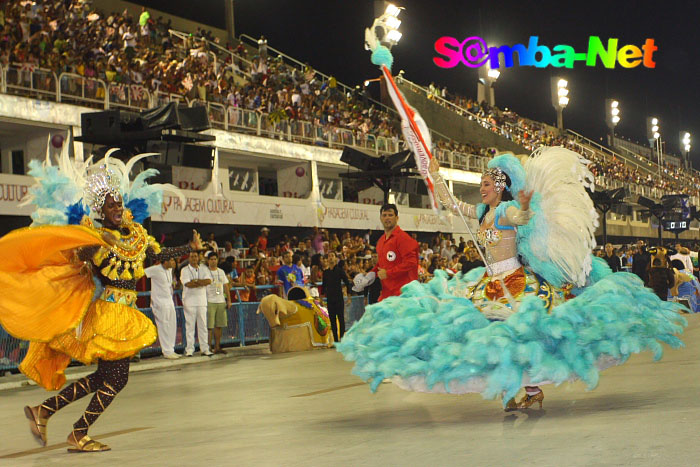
{"x": 162, "y": 305}
{"x": 194, "y": 278}
{"x": 211, "y": 242}
{"x": 472, "y": 260}
{"x": 334, "y": 277}
{"x": 239, "y": 240}
{"x": 302, "y": 262}
{"x": 228, "y": 251}
{"x": 448, "y": 251}
{"x": 661, "y": 279}
{"x": 289, "y": 274}
{"x": 612, "y": 257}
{"x": 218, "y": 301}
{"x": 317, "y": 241}
{"x": 261, "y": 243}
{"x": 248, "y": 281}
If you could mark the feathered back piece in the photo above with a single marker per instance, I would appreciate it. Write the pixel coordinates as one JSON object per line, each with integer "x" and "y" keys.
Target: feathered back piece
{"x": 66, "y": 192}
{"x": 558, "y": 240}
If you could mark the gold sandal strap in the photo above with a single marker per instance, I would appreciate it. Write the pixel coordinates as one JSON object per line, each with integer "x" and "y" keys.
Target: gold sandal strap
{"x": 84, "y": 387}
{"x": 50, "y": 409}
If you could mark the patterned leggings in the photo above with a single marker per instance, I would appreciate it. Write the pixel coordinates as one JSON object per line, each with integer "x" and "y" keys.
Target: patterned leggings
{"x": 106, "y": 382}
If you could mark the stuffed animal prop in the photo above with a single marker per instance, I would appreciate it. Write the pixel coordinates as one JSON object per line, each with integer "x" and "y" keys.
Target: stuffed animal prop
{"x": 296, "y": 324}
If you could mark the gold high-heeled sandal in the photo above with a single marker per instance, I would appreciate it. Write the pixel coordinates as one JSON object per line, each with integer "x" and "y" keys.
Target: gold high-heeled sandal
{"x": 85, "y": 444}
{"x": 37, "y": 423}
{"x": 529, "y": 400}
{"x": 511, "y": 405}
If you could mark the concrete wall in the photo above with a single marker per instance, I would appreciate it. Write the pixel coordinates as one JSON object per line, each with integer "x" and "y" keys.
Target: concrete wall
{"x": 458, "y": 128}
{"x": 180, "y": 24}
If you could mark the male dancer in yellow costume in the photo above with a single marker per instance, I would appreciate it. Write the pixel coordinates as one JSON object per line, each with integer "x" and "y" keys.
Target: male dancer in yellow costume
{"x": 47, "y": 298}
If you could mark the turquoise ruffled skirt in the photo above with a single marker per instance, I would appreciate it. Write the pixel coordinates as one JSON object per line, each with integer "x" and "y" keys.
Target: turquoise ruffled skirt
{"x": 429, "y": 339}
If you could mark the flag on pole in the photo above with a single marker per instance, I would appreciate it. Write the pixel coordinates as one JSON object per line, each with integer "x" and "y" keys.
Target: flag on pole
{"x": 416, "y": 134}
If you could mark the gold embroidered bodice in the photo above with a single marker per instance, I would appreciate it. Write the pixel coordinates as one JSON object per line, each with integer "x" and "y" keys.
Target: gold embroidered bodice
{"x": 121, "y": 265}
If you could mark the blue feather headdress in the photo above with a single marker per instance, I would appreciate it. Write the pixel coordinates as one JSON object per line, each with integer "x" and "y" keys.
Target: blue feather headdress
{"x": 59, "y": 192}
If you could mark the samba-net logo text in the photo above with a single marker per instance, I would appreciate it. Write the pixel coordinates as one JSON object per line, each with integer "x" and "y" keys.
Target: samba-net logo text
{"x": 473, "y": 52}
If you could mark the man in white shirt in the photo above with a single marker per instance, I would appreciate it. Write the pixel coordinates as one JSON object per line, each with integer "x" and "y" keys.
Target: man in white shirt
{"x": 194, "y": 300}
{"x": 218, "y": 301}
{"x": 162, "y": 305}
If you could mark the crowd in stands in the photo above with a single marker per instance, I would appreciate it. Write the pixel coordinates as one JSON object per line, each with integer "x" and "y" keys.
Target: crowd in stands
{"x": 118, "y": 48}
{"x": 531, "y": 135}
{"x": 254, "y": 265}
{"x": 257, "y": 267}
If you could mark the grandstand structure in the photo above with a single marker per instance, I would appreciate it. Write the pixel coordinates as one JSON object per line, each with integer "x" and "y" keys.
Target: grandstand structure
{"x": 275, "y": 169}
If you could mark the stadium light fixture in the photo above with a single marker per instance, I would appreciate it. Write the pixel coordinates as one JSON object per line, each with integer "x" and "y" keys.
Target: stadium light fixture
{"x": 385, "y": 28}
{"x": 393, "y": 36}
{"x": 560, "y": 99}
{"x": 493, "y": 74}
{"x": 685, "y": 142}
{"x": 393, "y": 22}
{"x": 612, "y": 114}
{"x": 392, "y": 10}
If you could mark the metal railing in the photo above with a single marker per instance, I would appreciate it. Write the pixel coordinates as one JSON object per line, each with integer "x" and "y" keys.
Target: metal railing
{"x": 607, "y": 153}
{"x": 73, "y": 88}
{"x": 129, "y": 96}
{"x": 244, "y": 326}
{"x": 30, "y": 81}
{"x": 76, "y": 89}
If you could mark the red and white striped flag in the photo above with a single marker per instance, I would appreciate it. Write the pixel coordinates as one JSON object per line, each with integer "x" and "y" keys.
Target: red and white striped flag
{"x": 416, "y": 134}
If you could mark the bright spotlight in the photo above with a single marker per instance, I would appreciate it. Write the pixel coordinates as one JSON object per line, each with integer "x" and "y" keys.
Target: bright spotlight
{"x": 392, "y": 10}
{"x": 655, "y": 128}
{"x": 562, "y": 83}
{"x": 656, "y": 135}
{"x": 563, "y": 101}
{"x": 493, "y": 74}
{"x": 615, "y": 111}
{"x": 615, "y": 119}
{"x": 393, "y": 36}
{"x": 614, "y": 104}
{"x": 563, "y": 92}
{"x": 654, "y": 121}
{"x": 393, "y": 22}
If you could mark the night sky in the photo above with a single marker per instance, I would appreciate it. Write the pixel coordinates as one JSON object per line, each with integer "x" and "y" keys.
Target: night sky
{"x": 329, "y": 35}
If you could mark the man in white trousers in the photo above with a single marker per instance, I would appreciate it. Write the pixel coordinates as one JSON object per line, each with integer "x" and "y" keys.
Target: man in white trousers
{"x": 162, "y": 305}
{"x": 194, "y": 300}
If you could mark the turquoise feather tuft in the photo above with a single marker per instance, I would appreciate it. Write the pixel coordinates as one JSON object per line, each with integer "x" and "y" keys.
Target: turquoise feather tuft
{"x": 382, "y": 56}
{"x": 510, "y": 165}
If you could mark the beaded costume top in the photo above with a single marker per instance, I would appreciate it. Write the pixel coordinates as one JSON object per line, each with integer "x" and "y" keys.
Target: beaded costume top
{"x": 121, "y": 265}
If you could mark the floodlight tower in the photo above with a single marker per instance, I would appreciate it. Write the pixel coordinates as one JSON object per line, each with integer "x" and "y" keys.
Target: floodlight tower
{"x": 560, "y": 99}
{"x": 612, "y": 117}
{"x": 386, "y": 25}
{"x": 685, "y": 147}
{"x": 484, "y": 88}
{"x": 655, "y": 139}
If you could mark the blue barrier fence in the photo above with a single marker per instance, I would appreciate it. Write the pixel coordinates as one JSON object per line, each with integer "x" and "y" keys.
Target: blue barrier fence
{"x": 244, "y": 326}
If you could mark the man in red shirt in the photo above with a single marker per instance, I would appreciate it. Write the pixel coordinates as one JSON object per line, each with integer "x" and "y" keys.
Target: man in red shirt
{"x": 397, "y": 252}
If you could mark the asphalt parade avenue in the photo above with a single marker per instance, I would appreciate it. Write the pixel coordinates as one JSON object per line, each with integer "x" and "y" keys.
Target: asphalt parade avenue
{"x": 307, "y": 409}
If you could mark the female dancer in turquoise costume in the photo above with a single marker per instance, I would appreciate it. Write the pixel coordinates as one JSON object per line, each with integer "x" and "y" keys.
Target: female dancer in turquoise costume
{"x": 543, "y": 311}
